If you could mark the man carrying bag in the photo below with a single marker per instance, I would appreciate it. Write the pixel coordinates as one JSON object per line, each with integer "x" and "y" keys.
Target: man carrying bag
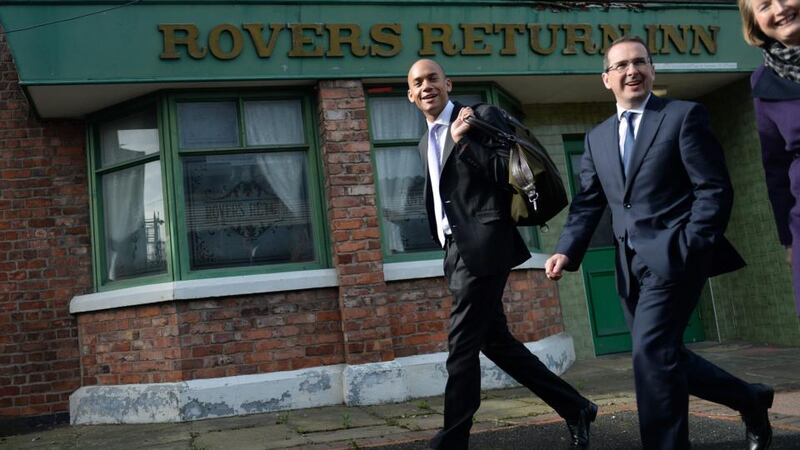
{"x": 468, "y": 201}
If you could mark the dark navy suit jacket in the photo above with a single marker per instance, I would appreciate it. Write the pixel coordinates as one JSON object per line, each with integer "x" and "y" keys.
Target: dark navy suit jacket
{"x": 674, "y": 204}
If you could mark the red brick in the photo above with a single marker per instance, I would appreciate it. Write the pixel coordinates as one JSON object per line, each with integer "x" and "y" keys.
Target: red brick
{"x": 29, "y": 190}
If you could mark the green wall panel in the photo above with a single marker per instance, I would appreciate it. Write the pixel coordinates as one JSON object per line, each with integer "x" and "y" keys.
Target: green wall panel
{"x": 756, "y": 303}
{"x": 550, "y": 123}
{"x": 124, "y": 45}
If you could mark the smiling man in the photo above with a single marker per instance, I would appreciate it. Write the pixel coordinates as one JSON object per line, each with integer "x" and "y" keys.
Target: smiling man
{"x": 657, "y": 166}
{"x": 468, "y": 202}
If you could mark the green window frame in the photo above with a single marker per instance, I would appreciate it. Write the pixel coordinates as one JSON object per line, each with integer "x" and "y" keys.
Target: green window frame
{"x": 488, "y": 93}
{"x": 103, "y": 260}
{"x": 190, "y": 210}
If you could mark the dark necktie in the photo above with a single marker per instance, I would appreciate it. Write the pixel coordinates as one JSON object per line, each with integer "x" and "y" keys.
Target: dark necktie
{"x": 627, "y": 146}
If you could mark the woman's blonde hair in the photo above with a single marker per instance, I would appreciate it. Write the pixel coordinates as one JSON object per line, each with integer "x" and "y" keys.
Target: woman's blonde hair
{"x": 750, "y": 30}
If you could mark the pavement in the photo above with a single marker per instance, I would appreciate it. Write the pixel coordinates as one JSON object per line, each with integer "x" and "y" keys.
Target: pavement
{"x": 507, "y": 419}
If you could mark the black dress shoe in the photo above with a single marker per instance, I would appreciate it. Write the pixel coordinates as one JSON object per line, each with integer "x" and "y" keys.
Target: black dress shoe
{"x": 579, "y": 430}
{"x": 759, "y": 430}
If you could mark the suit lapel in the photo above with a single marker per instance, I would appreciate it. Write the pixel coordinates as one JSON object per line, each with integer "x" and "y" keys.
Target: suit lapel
{"x": 423, "y": 155}
{"x": 651, "y": 121}
{"x": 423, "y": 151}
{"x": 448, "y": 141}
{"x": 611, "y": 137}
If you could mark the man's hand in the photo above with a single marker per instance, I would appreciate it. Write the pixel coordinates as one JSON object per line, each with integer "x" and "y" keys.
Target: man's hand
{"x": 460, "y": 126}
{"x": 554, "y": 265}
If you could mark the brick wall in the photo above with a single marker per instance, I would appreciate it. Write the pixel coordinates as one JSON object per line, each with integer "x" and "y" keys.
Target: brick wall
{"x": 420, "y": 311}
{"x": 211, "y": 338}
{"x": 353, "y": 217}
{"x": 188, "y": 340}
{"x": 130, "y": 345}
{"x": 44, "y": 253}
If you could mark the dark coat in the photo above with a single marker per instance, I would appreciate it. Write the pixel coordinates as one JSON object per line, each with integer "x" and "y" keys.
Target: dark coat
{"x": 777, "y": 108}
{"x": 476, "y": 198}
{"x": 674, "y": 204}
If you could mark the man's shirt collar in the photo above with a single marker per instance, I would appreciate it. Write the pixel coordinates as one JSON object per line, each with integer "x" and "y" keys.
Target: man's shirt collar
{"x": 639, "y": 109}
{"x": 444, "y": 116}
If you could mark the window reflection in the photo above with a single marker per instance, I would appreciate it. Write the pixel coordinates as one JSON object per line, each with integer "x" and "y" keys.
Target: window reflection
{"x": 208, "y": 125}
{"x": 402, "y": 181}
{"x": 129, "y": 138}
{"x": 250, "y": 209}
{"x": 133, "y": 210}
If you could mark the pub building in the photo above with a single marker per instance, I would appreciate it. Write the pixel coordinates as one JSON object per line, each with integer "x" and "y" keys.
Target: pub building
{"x": 214, "y": 208}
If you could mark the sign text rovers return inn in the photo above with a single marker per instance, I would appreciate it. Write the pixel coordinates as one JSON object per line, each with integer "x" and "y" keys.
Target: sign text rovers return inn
{"x": 316, "y": 40}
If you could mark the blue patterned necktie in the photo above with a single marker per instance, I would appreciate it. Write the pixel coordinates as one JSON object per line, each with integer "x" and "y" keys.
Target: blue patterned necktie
{"x": 627, "y": 146}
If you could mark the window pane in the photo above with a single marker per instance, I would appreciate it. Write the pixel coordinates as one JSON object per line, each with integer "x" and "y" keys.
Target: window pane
{"x": 245, "y": 210}
{"x": 133, "y": 209}
{"x": 467, "y": 99}
{"x": 208, "y": 125}
{"x": 129, "y": 138}
{"x": 395, "y": 118}
{"x": 402, "y": 180}
{"x": 274, "y": 122}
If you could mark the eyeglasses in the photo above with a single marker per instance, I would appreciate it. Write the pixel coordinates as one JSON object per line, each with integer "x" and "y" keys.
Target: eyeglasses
{"x": 622, "y": 66}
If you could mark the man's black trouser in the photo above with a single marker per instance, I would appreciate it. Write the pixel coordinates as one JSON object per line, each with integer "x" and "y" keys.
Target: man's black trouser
{"x": 665, "y": 371}
{"x": 478, "y": 324}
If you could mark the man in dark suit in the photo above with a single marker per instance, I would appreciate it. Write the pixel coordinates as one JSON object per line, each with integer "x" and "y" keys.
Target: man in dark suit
{"x": 468, "y": 201}
{"x": 662, "y": 173}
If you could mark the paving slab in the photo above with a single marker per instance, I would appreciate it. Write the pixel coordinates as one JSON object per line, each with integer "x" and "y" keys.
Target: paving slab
{"x": 524, "y": 412}
{"x": 354, "y": 434}
{"x": 520, "y": 393}
{"x": 428, "y": 422}
{"x": 431, "y": 404}
{"x": 123, "y": 436}
{"x": 57, "y": 438}
{"x": 331, "y": 418}
{"x": 776, "y": 373}
{"x": 272, "y": 437}
{"x": 490, "y": 407}
{"x": 177, "y": 445}
{"x": 396, "y": 410}
{"x": 238, "y": 422}
{"x": 423, "y": 436}
{"x": 786, "y": 403}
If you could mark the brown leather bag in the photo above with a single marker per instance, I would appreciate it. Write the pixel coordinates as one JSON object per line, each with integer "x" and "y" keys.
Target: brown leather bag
{"x": 539, "y": 192}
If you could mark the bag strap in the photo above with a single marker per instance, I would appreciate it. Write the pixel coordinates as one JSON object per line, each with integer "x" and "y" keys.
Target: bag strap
{"x": 491, "y": 130}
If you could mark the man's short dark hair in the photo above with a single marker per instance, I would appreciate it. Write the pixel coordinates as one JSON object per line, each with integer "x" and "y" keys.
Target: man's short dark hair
{"x": 622, "y": 40}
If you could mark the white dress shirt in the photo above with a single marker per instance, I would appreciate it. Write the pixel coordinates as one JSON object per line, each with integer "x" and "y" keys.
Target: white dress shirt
{"x": 442, "y": 225}
{"x": 623, "y": 124}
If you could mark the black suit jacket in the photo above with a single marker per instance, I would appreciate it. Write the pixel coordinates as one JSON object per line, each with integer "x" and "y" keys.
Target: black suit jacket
{"x": 674, "y": 204}
{"x": 476, "y": 197}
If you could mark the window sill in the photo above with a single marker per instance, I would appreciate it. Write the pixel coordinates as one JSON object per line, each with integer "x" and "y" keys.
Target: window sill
{"x": 433, "y": 268}
{"x": 211, "y": 287}
{"x": 255, "y": 284}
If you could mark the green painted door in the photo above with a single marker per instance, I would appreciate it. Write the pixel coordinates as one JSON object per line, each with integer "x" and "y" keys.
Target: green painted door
{"x": 609, "y": 331}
